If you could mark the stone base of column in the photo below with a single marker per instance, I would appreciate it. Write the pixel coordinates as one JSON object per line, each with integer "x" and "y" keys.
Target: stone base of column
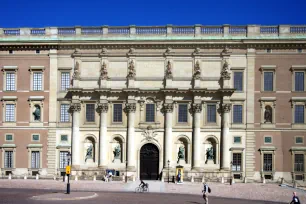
{"x": 131, "y": 169}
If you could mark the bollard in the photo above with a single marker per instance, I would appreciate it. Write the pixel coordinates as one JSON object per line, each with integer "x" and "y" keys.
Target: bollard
{"x": 25, "y": 177}
{"x": 54, "y": 177}
{"x": 192, "y": 179}
{"x": 282, "y": 181}
{"x": 37, "y": 177}
{"x": 294, "y": 184}
{"x": 10, "y": 176}
{"x": 245, "y": 180}
{"x": 76, "y": 178}
{"x": 163, "y": 180}
{"x": 134, "y": 178}
{"x": 263, "y": 180}
{"x": 233, "y": 180}
{"x": 222, "y": 179}
{"x": 203, "y": 179}
{"x": 94, "y": 178}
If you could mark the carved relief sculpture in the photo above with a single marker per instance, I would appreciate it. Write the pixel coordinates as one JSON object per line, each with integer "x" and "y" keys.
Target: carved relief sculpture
{"x": 197, "y": 51}
{"x": 169, "y": 74}
{"x": 226, "y": 107}
{"x": 75, "y": 107}
{"x": 89, "y": 153}
{"x": 131, "y": 71}
{"x": 181, "y": 153}
{"x": 168, "y": 51}
{"x": 149, "y": 134}
{"x": 117, "y": 152}
{"x": 76, "y": 73}
{"x": 36, "y": 113}
{"x": 104, "y": 50}
{"x": 210, "y": 153}
{"x": 130, "y": 107}
{"x": 168, "y": 107}
{"x": 197, "y": 71}
{"x": 103, "y": 72}
{"x": 226, "y": 50}
{"x": 131, "y": 51}
{"x": 197, "y": 107}
{"x": 102, "y": 108}
{"x": 225, "y": 71}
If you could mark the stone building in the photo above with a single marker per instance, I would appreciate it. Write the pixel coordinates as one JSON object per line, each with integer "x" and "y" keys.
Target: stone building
{"x": 219, "y": 101}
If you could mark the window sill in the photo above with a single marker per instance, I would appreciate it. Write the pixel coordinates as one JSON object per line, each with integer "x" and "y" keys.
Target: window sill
{"x": 298, "y": 125}
{"x": 9, "y": 124}
{"x": 9, "y": 90}
{"x": 298, "y": 91}
{"x": 268, "y": 91}
{"x": 267, "y": 125}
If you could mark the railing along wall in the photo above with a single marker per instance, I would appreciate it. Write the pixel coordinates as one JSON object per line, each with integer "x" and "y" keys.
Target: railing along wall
{"x": 168, "y": 30}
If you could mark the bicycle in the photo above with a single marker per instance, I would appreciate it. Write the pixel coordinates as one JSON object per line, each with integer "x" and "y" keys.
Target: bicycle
{"x": 142, "y": 189}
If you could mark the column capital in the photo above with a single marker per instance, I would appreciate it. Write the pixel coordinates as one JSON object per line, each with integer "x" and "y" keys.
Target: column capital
{"x": 130, "y": 107}
{"x": 197, "y": 107}
{"x": 226, "y": 107}
{"x": 75, "y": 107}
{"x": 102, "y": 108}
{"x": 168, "y": 107}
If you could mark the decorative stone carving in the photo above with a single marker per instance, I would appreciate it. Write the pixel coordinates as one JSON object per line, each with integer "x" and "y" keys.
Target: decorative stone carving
{"x": 197, "y": 70}
{"x": 104, "y": 50}
{"x": 181, "y": 153}
{"x": 210, "y": 153}
{"x": 75, "y": 107}
{"x": 149, "y": 134}
{"x": 131, "y": 51}
{"x": 197, "y": 107}
{"x": 77, "y": 51}
{"x": 268, "y": 114}
{"x": 117, "y": 152}
{"x": 168, "y": 51}
{"x": 89, "y": 153}
{"x": 102, "y": 108}
{"x": 103, "y": 72}
{"x": 76, "y": 73}
{"x": 225, "y": 71}
{"x": 197, "y": 51}
{"x": 131, "y": 71}
{"x": 130, "y": 107}
{"x": 168, "y": 107}
{"x": 36, "y": 113}
{"x": 169, "y": 74}
{"x": 141, "y": 103}
{"x": 226, "y": 50}
{"x": 226, "y": 107}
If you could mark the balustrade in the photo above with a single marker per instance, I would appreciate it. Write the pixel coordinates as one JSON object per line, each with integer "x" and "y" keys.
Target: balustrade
{"x": 66, "y": 31}
{"x": 38, "y": 31}
{"x": 300, "y": 29}
{"x": 92, "y": 31}
{"x": 268, "y": 29}
{"x": 119, "y": 30}
{"x": 212, "y": 30}
{"x": 11, "y": 32}
{"x": 151, "y": 30}
{"x": 183, "y": 30}
{"x": 237, "y": 30}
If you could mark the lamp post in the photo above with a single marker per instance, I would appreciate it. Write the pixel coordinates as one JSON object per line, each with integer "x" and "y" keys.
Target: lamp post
{"x": 231, "y": 178}
{"x": 64, "y": 173}
{"x": 168, "y": 170}
{"x": 68, "y": 184}
{"x": 126, "y": 178}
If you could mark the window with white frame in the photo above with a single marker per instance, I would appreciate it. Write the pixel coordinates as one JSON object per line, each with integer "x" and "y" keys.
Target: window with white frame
{"x": 268, "y": 81}
{"x": 64, "y": 113}
{"x": 90, "y": 112}
{"x": 299, "y": 162}
{"x": 211, "y": 113}
{"x": 267, "y": 162}
{"x": 237, "y": 114}
{"x": 299, "y": 116}
{"x": 238, "y": 81}
{"x": 10, "y": 81}
{"x": 65, "y": 80}
{"x": 63, "y": 159}
{"x": 236, "y": 165}
{"x": 183, "y": 113}
{"x": 150, "y": 112}
{"x": 8, "y": 159}
{"x": 299, "y": 140}
{"x": 35, "y": 137}
{"x": 117, "y": 113}
{"x": 10, "y": 113}
{"x": 299, "y": 81}
{"x": 37, "y": 81}
{"x": 9, "y": 137}
{"x": 35, "y": 159}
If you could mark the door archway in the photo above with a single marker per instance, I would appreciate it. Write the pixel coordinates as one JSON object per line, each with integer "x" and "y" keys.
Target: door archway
{"x": 149, "y": 161}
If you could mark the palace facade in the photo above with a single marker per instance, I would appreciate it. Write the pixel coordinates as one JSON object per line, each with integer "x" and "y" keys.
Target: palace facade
{"x": 219, "y": 101}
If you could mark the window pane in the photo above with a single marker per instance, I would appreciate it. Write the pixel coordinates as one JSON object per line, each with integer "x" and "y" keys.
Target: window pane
{"x": 268, "y": 81}
{"x": 117, "y": 113}
{"x": 237, "y": 114}
{"x": 63, "y": 159}
{"x": 64, "y": 113}
{"x": 236, "y": 162}
{"x": 35, "y": 160}
{"x": 299, "y": 140}
{"x": 90, "y": 112}
{"x": 10, "y": 82}
{"x": 150, "y": 112}
{"x": 211, "y": 113}
{"x": 299, "y": 162}
{"x": 8, "y": 137}
{"x": 8, "y": 159}
{"x": 182, "y": 117}
{"x": 267, "y": 162}
{"x": 238, "y": 83}
{"x": 10, "y": 113}
{"x": 65, "y": 81}
{"x": 299, "y": 81}
{"x": 237, "y": 139}
{"x": 268, "y": 139}
{"x": 64, "y": 138}
{"x": 299, "y": 114}
{"x": 35, "y": 137}
{"x": 37, "y": 81}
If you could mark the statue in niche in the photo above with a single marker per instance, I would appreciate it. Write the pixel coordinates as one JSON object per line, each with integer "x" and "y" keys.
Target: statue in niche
{"x": 210, "y": 153}
{"x": 103, "y": 72}
{"x": 36, "y": 113}
{"x": 268, "y": 114}
{"x": 131, "y": 71}
{"x": 117, "y": 152}
{"x": 169, "y": 74}
{"x": 89, "y": 154}
{"x": 197, "y": 71}
{"x": 181, "y": 153}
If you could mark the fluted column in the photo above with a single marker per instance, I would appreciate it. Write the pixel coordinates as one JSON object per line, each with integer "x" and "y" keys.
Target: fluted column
{"x": 131, "y": 108}
{"x": 102, "y": 110}
{"x": 75, "y": 108}
{"x": 168, "y": 107}
{"x": 197, "y": 109}
{"x": 226, "y": 156}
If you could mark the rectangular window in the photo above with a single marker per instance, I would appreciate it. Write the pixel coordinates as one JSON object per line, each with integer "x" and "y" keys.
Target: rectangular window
{"x": 64, "y": 138}
{"x": 182, "y": 114}
{"x": 10, "y": 82}
{"x": 267, "y": 162}
{"x": 299, "y": 114}
{"x": 268, "y": 140}
{"x": 211, "y": 114}
{"x": 8, "y": 159}
{"x": 236, "y": 162}
{"x": 268, "y": 81}
{"x": 63, "y": 159}
{"x": 237, "y": 140}
{"x": 35, "y": 159}
{"x": 64, "y": 113}
{"x": 65, "y": 81}
{"x": 9, "y": 112}
{"x": 117, "y": 113}
{"x": 237, "y": 114}
{"x": 299, "y": 162}
{"x": 8, "y": 137}
{"x": 90, "y": 112}
{"x": 238, "y": 81}
{"x": 35, "y": 137}
{"x": 299, "y": 81}
{"x": 150, "y": 112}
{"x": 37, "y": 81}
{"x": 299, "y": 140}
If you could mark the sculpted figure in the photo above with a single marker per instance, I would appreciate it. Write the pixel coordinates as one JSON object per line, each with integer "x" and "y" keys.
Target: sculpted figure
{"x": 132, "y": 71}
{"x": 268, "y": 114}
{"x": 89, "y": 153}
{"x": 197, "y": 71}
{"x": 181, "y": 153}
{"x": 169, "y": 74}
{"x": 210, "y": 153}
{"x": 36, "y": 113}
{"x": 117, "y": 152}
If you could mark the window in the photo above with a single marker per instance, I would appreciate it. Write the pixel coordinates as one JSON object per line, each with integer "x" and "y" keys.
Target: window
{"x": 150, "y": 112}
{"x": 299, "y": 81}
{"x": 90, "y": 112}
{"x": 238, "y": 81}
{"x": 299, "y": 140}
{"x": 267, "y": 162}
{"x": 9, "y": 113}
{"x": 237, "y": 140}
{"x": 269, "y": 50}
{"x": 11, "y": 52}
{"x": 35, "y": 159}
{"x": 8, "y": 159}
{"x": 65, "y": 81}
{"x": 299, "y": 114}
{"x": 37, "y": 51}
{"x": 64, "y": 138}
{"x": 182, "y": 114}
{"x": 63, "y": 160}
{"x": 236, "y": 162}
{"x": 211, "y": 113}
{"x": 37, "y": 81}
{"x": 268, "y": 140}
{"x": 64, "y": 113}
{"x": 117, "y": 113}
{"x": 8, "y": 137}
{"x": 299, "y": 162}
{"x": 268, "y": 81}
{"x": 35, "y": 137}
{"x": 10, "y": 81}
{"x": 237, "y": 114}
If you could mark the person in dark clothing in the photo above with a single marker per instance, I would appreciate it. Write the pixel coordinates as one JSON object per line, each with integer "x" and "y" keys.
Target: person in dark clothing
{"x": 295, "y": 199}
{"x": 142, "y": 184}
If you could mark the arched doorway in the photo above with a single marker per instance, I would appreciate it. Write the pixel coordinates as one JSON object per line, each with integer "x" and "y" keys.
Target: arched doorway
{"x": 149, "y": 160}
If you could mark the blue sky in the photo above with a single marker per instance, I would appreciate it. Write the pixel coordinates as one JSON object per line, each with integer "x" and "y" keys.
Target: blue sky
{"x": 42, "y": 13}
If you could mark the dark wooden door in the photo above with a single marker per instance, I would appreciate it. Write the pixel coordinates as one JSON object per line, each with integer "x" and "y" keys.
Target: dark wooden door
{"x": 149, "y": 161}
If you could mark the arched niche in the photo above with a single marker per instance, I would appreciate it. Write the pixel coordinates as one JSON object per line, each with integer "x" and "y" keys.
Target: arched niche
{"x": 211, "y": 142}
{"x": 90, "y": 150}
{"x": 118, "y": 142}
{"x": 183, "y": 141}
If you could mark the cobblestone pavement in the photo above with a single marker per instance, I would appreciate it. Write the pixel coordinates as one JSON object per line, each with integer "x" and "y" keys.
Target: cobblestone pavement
{"x": 250, "y": 191}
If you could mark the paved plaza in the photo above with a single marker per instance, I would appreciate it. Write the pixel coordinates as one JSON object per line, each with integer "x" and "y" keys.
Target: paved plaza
{"x": 249, "y": 191}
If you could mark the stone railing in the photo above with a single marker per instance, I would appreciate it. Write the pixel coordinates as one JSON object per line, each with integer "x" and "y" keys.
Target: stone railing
{"x": 168, "y": 30}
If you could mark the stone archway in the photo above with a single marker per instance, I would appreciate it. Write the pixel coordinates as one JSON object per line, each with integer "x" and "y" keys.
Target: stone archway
{"x": 149, "y": 162}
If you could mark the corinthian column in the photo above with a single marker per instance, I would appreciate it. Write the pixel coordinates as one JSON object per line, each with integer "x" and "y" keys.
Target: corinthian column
{"x": 168, "y": 107}
{"x": 197, "y": 109}
{"x": 131, "y": 108}
{"x": 102, "y": 110}
{"x": 75, "y": 108}
{"x": 226, "y": 156}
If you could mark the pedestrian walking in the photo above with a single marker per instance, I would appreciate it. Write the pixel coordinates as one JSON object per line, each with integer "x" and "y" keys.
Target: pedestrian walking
{"x": 205, "y": 192}
{"x": 295, "y": 199}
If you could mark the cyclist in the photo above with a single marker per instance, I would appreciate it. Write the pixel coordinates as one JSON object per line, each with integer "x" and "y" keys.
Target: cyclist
{"x": 142, "y": 184}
